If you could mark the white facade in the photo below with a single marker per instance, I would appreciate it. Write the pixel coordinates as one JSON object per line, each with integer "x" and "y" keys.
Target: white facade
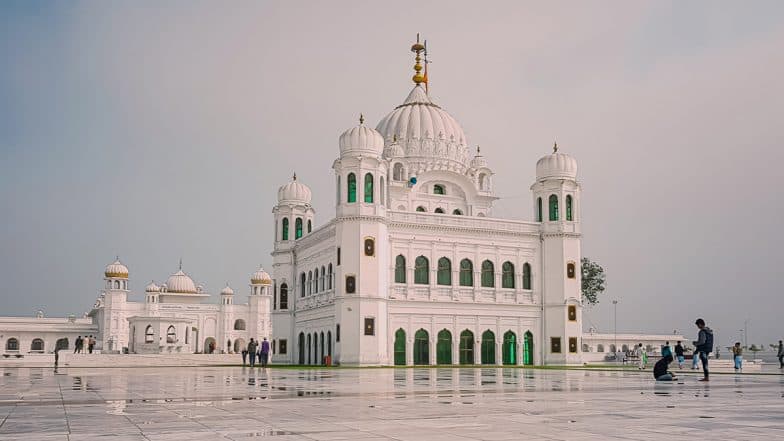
{"x": 414, "y": 269}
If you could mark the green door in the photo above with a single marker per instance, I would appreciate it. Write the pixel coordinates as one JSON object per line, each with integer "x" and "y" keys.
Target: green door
{"x": 444, "y": 347}
{"x": 466, "y": 347}
{"x": 400, "y": 348}
{"x": 421, "y": 349}
{"x": 528, "y": 349}
{"x": 488, "y": 347}
{"x": 509, "y": 350}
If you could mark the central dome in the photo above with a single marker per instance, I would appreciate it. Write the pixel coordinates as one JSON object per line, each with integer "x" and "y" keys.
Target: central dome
{"x": 180, "y": 283}
{"x": 425, "y": 131}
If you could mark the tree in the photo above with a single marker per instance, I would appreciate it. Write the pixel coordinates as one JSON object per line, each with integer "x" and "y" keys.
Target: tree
{"x": 593, "y": 280}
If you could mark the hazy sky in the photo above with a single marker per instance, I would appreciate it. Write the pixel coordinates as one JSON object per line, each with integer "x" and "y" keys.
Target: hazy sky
{"x": 162, "y": 130}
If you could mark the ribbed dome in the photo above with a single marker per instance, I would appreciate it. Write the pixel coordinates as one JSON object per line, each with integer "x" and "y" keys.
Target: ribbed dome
{"x": 227, "y": 291}
{"x": 116, "y": 270}
{"x": 294, "y": 192}
{"x": 181, "y": 283}
{"x": 260, "y": 277}
{"x": 424, "y": 129}
{"x": 556, "y": 165}
{"x": 152, "y": 287}
{"x": 361, "y": 140}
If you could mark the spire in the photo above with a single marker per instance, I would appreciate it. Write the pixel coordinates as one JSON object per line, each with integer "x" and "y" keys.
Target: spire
{"x": 427, "y": 89}
{"x": 478, "y": 150}
{"x": 418, "y": 48}
{"x": 555, "y": 147}
{"x": 180, "y": 263}
{"x": 361, "y": 119}
{"x": 294, "y": 177}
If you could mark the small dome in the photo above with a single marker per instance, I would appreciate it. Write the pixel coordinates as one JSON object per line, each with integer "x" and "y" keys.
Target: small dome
{"x": 479, "y": 161}
{"x": 181, "y": 283}
{"x": 556, "y": 165}
{"x": 394, "y": 150}
{"x": 361, "y": 140}
{"x": 152, "y": 287}
{"x": 260, "y": 277}
{"x": 294, "y": 191}
{"x": 227, "y": 291}
{"x": 116, "y": 270}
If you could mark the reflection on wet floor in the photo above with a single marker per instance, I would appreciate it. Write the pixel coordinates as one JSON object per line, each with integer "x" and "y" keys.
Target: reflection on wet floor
{"x": 497, "y": 403}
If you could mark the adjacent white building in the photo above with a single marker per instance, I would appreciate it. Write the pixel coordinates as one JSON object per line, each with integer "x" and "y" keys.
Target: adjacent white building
{"x": 414, "y": 268}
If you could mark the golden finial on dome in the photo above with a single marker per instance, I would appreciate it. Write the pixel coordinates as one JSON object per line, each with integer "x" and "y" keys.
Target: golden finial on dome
{"x": 295, "y": 176}
{"x": 361, "y": 119}
{"x": 418, "y": 48}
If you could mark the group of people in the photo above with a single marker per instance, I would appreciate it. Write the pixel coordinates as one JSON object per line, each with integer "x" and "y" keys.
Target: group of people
{"x": 702, "y": 347}
{"x": 80, "y": 343}
{"x": 251, "y": 353}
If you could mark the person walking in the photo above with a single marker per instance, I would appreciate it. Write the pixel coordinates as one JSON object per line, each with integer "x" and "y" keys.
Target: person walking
{"x": 641, "y": 357}
{"x": 781, "y": 354}
{"x": 78, "y": 345}
{"x": 264, "y": 352}
{"x": 244, "y": 355}
{"x": 252, "y": 352}
{"x": 56, "y": 356}
{"x": 90, "y": 344}
{"x": 666, "y": 350}
{"x": 679, "y": 354}
{"x": 703, "y": 346}
{"x": 737, "y": 356}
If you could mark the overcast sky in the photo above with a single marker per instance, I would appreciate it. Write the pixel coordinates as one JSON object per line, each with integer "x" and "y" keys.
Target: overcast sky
{"x": 160, "y": 131}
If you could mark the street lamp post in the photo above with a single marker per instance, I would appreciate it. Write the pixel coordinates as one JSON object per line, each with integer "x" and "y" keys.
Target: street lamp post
{"x": 615, "y": 324}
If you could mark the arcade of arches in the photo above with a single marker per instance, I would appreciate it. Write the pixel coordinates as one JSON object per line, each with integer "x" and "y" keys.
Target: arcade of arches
{"x": 465, "y": 349}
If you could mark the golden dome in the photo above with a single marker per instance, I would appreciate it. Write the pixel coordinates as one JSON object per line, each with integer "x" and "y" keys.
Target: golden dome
{"x": 116, "y": 270}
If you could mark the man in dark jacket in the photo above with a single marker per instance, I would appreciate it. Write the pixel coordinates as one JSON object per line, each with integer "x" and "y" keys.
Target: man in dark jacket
{"x": 252, "y": 352}
{"x": 264, "y": 352}
{"x": 660, "y": 372}
{"x": 703, "y": 345}
{"x": 679, "y": 355}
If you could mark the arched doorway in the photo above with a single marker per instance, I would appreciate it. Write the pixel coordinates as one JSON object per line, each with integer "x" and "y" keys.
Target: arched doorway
{"x": 239, "y": 346}
{"x": 488, "y": 347}
{"x": 37, "y": 345}
{"x": 400, "y": 347}
{"x": 315, "y": 348}
{"x": 321, "y": 347}
{"x": 509, "y": 350}
{"x": 309, "y": 350}
{"x": 421, "y": 349}
{"x": 466, "y": 347}
{"x": 301, "y": 348}
{"x": 329, "y": 343}
{"x": 61, "y": 344}
{"x": 209, "y": 345}
{"x": 528, "y": 348}
{"x": 444, "y": 347}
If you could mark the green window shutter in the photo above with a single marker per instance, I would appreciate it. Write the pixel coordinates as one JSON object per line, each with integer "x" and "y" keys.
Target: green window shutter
{"x": 421, "y": 271}
{"x": 539, "y": 216}
{"x": 285, "y": 228}
{"x": 569, "y": 207}
{"x": 553, "y": 207}
{"x": 400, "y": 269}
{"x": 298, "y": 228}
{"x": 526, "y": 276}
{"x": 444, "y": 271}
{"x": 466, "y": 273}
{"x": 488, "y": 274}
{"x": 352, "y": 188}
{"x": 369, "y": 188}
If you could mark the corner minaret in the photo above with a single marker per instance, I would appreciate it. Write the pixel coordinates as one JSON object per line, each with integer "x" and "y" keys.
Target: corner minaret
{"x": 114, "y": 334}
{"x": 556, "y": 195}
{"x": 260, "y": 303}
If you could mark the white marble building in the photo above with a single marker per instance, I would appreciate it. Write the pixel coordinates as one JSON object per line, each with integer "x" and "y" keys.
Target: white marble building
{"x": 177, "y": 316}
{"x": 414, "y": 268}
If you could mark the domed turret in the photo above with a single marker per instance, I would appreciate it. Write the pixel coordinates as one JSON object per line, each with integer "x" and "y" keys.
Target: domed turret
{"x": 361, "y": 140}
{"x": 152, "y": 287}
{"x": 116, "y": 270}
{"x": 260, "y": 277}
{"x": 556, "y": 165}
{"x": 227, "y": 291}
{"x": 294, "y": 192}
{"x": 180, "y": 283}
{"x": 479, "y": 161}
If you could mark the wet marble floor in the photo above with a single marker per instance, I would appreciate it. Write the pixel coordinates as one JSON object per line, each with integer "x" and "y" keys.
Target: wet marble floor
{"x": 219, "y": 403}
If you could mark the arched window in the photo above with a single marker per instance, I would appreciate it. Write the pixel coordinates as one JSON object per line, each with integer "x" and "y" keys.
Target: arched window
{"x": 285, "y": 228}
{"x": 322, "y": 278}
{"x": 149, "y": 334}
{"x": 301, "y": 341}
{"x": 528, "y": 348}
{"x": 482, "y": 182}
{"x": 37, "y": 345}
{"x": 539, "y": 216}
{"x": 526, "y": 275}
{"x": 569, "y": 207}
{"x": 171, "y": 335}
{"x": 315, "y": 281}
{"x": 117, "y": 284}
{"x": 284, "y": 296}
{"x": 466, "y": 273}
{"x": 370, "y": 247}
{"x": 302, "y": 285}
{"x": 612, "y": 348}
{"x": 12, "y": 344}
{"x": 310, "y": 226}
{"x": 553, "y": 207}
{"x": 488, "y": 274}
{"x": 400, "y": 269}
{"x": 509, "y": 349}
{"x": 571, "y": 272}
{"x": 310, "y": 282}
{"x": 397, "y": 172}
{"x": 381, "y": 190}
{"x": 298, "y": 228}
{"x": 337, "y": 193}
{"x": 439, "y": 210}
{"x": 352, "y": 187}
{"x": 466, "y": 347}
{"x": 600, "y": 348}
{"x": 444, "y": 276}
{"x": 507, "y": 275}
{"x": 421, "y": 347}
{"x": 457, "y": 212}
{"x": 329, "y": 276}
{"x": 421, "y": 271}
{"x": 239, "y": 325}
{"x": 444, "y": 347}
{"x": 369, "y": 188}
{"x": 438, "y": 189}
{"x": 421, "y": 209}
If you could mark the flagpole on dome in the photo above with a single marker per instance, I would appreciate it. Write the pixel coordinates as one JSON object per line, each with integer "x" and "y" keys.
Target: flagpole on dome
{"x": 427, "y": 83}
{"x": 418, "y": 48}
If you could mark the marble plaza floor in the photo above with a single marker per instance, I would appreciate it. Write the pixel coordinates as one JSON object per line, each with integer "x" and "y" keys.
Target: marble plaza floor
{"x": 219, "y": 403}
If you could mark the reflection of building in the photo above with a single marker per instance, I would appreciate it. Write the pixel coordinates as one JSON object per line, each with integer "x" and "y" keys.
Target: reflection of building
{"x": 174, "y": 317}
{"x": 414, "y": 269}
